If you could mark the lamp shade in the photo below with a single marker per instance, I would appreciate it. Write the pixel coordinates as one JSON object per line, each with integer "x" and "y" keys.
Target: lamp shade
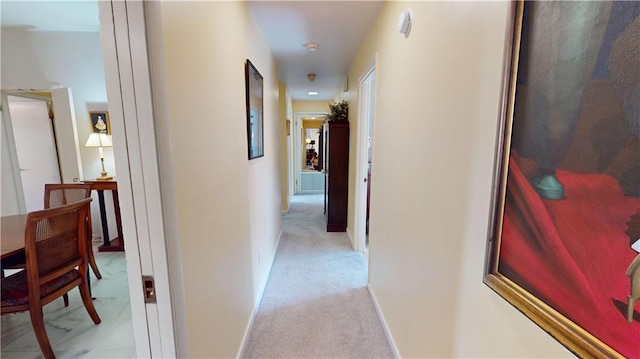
{"x": 99, "y": 140}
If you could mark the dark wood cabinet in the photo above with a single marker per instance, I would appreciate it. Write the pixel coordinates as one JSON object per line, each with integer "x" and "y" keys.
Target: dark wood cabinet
{"x": 336, "y": 166}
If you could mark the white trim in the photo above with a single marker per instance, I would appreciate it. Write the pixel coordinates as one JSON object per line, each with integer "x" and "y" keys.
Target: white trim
{"x": 371, "y": 67}
{"x": 385, "y": 327}
{"x": 350, "y": 237}
{"x": 297, "y": 140}
{"x": 290, "y": 155}
{"x": 127, "y": 70}
{"x": 153, "y": 208}
{"x": 13, "y": 154}
{"x": 360, "y": 207}
{"x": 32, "y": 88}
{"x": 256, "y": 305}
{"x": 116, "y": 114}
{"x": 167, "y": 176}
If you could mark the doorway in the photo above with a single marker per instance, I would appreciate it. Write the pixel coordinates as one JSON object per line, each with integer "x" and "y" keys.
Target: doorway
{"x": 365, "y": 155}
{"x": 307, "y": 149}
{"x": 122, "y": 38}
{"x": 39, "y": 145}
{"x": 29, "y": 126}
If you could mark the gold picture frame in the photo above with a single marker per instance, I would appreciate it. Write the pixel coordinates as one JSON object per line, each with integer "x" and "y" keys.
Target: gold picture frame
{"x": 563, "y": 230}
{"x": 100, "y": 121}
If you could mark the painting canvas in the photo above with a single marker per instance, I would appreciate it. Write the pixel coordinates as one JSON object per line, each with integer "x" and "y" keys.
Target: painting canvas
{"x": 564, "y": 241}
{"x": 100, "y": 121}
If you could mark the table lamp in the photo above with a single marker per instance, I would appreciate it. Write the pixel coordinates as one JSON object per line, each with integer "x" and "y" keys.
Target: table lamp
{"x": 100, "y": 139}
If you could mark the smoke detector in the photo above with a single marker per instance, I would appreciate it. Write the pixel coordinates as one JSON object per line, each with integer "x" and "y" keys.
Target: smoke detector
{"x": 311, "y": 77}
{"x": 311, "y": 46}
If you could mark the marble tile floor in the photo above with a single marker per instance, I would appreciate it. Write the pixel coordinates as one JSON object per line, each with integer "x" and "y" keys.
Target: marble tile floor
{"x": 71, "y": 331}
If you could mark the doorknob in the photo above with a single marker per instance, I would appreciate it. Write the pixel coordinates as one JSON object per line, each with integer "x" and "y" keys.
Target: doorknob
{"x": 365, "y": 180}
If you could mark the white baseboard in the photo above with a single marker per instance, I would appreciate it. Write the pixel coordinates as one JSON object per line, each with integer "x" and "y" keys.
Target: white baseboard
{"x": 256, "y": 304}
{"x": 353, "y": 244}
{"x": 384, "y": 322}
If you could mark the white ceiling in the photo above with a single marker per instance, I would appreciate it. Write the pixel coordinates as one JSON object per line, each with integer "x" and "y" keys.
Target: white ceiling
{"x": 50, "y": 15}
{"x": 339, "y": 27}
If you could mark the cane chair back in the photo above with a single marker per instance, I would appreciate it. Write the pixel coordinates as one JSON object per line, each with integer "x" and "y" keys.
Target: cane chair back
{"x": 59, "y": 194}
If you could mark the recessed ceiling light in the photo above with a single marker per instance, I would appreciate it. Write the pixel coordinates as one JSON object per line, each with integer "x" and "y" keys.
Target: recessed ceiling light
{"x": 311, "y": 46}
{"x": 312, "y": 93}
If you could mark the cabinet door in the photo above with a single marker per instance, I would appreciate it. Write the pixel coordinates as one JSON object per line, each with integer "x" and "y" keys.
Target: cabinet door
{"x": 324, "y": 155}
{"x": 338, "y": 176}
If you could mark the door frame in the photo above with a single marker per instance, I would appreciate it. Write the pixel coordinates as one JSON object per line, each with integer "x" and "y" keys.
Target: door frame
{"x": 64, "y": 132}
{"x": 365, "y": 109}
{"x": 123, "y": 33}
{"x": 48, "y": 155}
{"x": 7, "y": 125}
{"x": 297, "y": 141}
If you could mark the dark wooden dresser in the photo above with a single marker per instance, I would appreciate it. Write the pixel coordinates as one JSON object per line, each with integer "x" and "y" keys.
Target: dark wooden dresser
{"x": 336, "y": 165}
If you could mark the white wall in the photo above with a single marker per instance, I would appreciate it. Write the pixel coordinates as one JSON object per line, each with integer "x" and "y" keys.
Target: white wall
{"x": 68, "y": 59}
{"x": 227, "y": 209}
{"x": 430, "y": 189}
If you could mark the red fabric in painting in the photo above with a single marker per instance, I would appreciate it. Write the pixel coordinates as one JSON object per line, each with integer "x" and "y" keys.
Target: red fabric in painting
{"x": 573, "y": 253}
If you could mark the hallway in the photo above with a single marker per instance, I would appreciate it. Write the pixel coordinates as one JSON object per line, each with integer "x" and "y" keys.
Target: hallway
{"x": 316, "y": 303}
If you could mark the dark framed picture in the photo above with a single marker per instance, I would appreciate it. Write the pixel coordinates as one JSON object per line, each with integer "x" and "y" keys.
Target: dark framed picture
{"x": 564, "y": 239}
{"x": 100, "y": 121}
{"x": 255, "y": 121}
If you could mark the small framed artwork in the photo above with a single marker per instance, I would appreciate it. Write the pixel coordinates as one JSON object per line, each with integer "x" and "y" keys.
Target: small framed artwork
{"x": 255, "y": 121}
{"x": 564, "y": 240}
{"x": 100, "y": 121}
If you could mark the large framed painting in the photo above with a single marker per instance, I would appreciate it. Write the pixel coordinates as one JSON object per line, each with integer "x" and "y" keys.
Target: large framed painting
{"x": 255, "y": 121}
{"x": 564, "y": 239}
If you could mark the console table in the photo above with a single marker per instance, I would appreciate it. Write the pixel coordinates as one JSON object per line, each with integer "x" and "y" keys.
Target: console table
{"x": 116, "y": 244}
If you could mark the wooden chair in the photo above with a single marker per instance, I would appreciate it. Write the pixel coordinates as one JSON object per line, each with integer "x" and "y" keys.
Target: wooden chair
{"x": 58, "y": 194}
{"x": 56, "y": 262}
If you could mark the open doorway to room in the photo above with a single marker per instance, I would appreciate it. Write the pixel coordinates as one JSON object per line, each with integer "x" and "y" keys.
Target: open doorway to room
{"x": 41, "y": 146}
{"x": 44, "y": 134}
{"x": 111, "y": 36}
{"x": 365, "y": 154}
{"x": 308, "y": 147}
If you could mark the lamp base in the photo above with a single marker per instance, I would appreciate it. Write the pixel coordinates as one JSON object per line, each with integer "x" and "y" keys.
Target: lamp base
{"x": 104, "y": 177}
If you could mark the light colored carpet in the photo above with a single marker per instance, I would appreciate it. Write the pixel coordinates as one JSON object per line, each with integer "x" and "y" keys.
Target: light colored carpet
{"x": 316, "y": 304}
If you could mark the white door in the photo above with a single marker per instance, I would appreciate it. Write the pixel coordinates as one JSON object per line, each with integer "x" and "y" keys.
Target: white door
{"x": 364, "y": 158}
{"x": 123, "y": 31}
{"x": 35, "y": 148}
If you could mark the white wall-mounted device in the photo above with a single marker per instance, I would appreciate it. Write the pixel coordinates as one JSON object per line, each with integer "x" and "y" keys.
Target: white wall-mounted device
{"x": 404, "y": 23}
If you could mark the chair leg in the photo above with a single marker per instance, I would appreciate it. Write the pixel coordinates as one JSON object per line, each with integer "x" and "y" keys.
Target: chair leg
{"x": 88, "y": 303}
{"x": 631, "y": 302}
{"x": 65, "y": 297}
{"x": 37, "y": 321}
{"x": 92, "y": 262}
